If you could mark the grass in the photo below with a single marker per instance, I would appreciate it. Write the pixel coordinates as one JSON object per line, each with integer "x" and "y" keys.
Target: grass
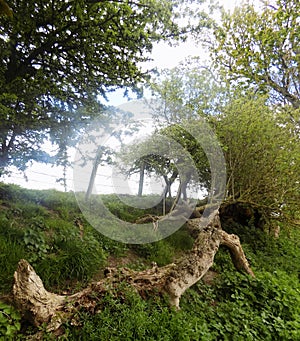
{"x": 47, "y": 228}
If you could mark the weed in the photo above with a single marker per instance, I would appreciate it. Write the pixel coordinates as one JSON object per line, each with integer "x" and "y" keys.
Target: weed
{"x": 10, "y": 322}
{"x": 36, "y": 244}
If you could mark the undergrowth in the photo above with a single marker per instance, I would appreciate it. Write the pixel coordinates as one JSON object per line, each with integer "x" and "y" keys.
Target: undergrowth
{"x": 48, "y": 229}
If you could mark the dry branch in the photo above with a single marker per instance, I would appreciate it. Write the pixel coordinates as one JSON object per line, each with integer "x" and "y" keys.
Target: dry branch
{"x": 232, "y": 242}
{"x": 39, "y": 306}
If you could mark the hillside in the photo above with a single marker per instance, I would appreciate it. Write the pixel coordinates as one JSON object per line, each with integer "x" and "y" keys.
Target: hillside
{"x": 47, "y": 229}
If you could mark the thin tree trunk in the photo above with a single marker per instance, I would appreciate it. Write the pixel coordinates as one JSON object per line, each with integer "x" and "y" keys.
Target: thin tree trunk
{"x": 167, "y": 190}
{"x": 183, "y": 190}
{"x": 93, "y": 174}
{"x": 141, "y": 182}
{"x": 177, "y": 198}
{"x": 171, "y": 181}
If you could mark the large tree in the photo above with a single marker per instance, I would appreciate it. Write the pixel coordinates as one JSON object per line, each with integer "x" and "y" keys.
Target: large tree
{"x": 57, "y": 57}
{"x": 259, "y": 143}
{"x": 258, "y": 46}
{"x": 262, "y": 155}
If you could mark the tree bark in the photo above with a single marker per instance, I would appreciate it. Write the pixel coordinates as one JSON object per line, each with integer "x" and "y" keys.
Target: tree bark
{"x": 141, "y": 181}
{"x": 93, "y": 174}
{"x": 232, "y": 242}
{"x": 39, "y": 306}
{"x": 35, "y": 302}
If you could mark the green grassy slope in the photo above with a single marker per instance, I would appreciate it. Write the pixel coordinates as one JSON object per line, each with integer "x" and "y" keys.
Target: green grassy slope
{"x": 48, "y": 229}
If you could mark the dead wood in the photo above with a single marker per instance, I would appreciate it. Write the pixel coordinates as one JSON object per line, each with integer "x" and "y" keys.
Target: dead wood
{"x": 35, "y": 302}
{"x": 38, "y": 305}
{"x": 232, "y": 242}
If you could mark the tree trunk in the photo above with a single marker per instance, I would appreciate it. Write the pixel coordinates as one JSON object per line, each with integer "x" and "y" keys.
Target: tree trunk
{"x": 93, "y": 174}
{"x": 141, "y": 181}
{"x": 167, "y": 190}
{"x": 169, "y": 183}
{"x": 39, "y": 306}
{"x": 183, "y": 190}
{"x": 177, "y": 198}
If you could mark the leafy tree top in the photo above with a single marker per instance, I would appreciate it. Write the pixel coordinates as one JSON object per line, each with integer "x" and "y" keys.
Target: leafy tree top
{"x": 57, "y": 57}
{"x": 260, "y": 48}
{"x": 96, "y": 43}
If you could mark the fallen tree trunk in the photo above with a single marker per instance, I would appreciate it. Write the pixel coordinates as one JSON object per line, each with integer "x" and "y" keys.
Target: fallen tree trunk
{"x": 40, "y": 306}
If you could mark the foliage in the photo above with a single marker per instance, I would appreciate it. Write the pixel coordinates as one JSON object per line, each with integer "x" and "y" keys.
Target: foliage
{"x": 35, "y": 244}
{"x": 47, "y": 236}
{"x": 118, "y": 206}
{"x": 264, "y": 305}
{"x": 260, "y": 48}
{"x": 165, "y": 251}
{"x": 186, "y": 91}
{"x": 10, "y": 322}
{"x": 262, "y": 154}
{"x": 75, "y": 262}
{"x": 152, "y": 164}
{"x": 173, "y": 154}
{"x": 56, "y": 58}
{"x": 197, "y": 156}
{"x": 180, "y": 97}
{"x": 259, "y": 139}
{"x": 128, "y": 317}
{"x": 5, "y": 10}
{"x": 11, "y": 253}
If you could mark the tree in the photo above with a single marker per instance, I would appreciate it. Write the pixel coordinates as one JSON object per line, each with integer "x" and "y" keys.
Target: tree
{"x": 189, "y": 94}
{"x": 198, "y": 157}
{"x": 262, "y": 155}
{"x": 152, "y": 164}
{"x": 57, "y": 57}
{"x": 187, "y": 91}
{"x": 149, "y": 163}
{"x": 260, "y": 48}
{"x": 260, "y": 145}
{"x": 171, "y": 153}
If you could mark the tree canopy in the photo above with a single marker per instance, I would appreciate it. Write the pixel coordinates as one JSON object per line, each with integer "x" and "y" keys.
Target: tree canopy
{"x": 57, "y": 57}
{"x": 262, "y": 154}
{"x": 260, "y": 48}
{"x": 258, "y": 141}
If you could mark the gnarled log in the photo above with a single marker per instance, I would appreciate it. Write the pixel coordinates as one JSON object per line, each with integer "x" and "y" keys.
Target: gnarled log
{"x": 232, "y": 242}
{"x": 38, "y": 305}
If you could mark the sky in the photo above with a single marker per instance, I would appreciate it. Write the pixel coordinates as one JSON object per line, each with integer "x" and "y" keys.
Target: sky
{"x": 164, "y": 56}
